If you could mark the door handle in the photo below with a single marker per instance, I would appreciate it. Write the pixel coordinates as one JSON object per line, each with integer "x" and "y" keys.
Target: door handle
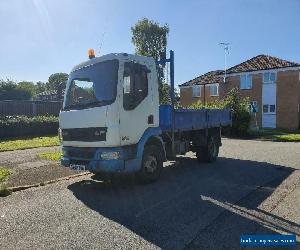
{"x": 150, "y": 119}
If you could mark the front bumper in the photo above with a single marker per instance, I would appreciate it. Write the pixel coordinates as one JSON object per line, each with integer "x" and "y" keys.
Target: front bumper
{"x": 91, "y": 158}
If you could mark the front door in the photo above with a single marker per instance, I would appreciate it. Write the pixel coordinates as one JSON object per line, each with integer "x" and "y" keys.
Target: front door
{"x": 269, "y": 105}
{"x": 137, "y": 111}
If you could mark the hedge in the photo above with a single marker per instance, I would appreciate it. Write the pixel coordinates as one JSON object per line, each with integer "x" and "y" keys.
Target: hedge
{"x": 19, "y": 126}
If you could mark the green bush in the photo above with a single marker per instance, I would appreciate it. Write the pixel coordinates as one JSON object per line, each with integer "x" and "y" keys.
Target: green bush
{"x": 239, "y": 106}
{"x": 19, "y": 126}
{"x": 210, "y": 105}
{"x": 241, "y": 116}
{"x": 4, "y": 173}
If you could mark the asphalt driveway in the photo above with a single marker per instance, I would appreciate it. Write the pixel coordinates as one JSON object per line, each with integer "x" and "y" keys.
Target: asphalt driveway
{"x": 252, "y": 188}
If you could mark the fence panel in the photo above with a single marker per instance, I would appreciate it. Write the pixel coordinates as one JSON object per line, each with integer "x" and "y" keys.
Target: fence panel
{"x": 30, "y": 108}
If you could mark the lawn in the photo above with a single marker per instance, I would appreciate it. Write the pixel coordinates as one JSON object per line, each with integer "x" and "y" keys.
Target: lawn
{"x": 31, "y": 142}
{"x": 278, "y": 135}
{"x": 53, "y": 156}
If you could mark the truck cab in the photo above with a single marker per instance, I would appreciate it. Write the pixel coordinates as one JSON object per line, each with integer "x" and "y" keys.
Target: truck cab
{"x": 112, "y": 122}
{"x": 110, "y": 103}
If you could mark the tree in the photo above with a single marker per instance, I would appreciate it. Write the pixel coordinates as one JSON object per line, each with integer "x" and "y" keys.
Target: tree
{"x": 28, "y": 87}
{"x": 57, "y": 82}
{"x": 165, "y": 95}
{"x": 10, "y": 90}
{"x": 41, "y": 86}
{"x": 150, "y": 39}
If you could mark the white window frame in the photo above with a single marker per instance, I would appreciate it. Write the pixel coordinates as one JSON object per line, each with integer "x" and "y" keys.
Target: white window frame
{"x": 210, "y": 89}
{"x": 249, "y": 79}
{"x": 269, "y": 80}
{"x": 269, "y": 109}
{"x": 273, "y": 112}
{"x": 194, "y": 90}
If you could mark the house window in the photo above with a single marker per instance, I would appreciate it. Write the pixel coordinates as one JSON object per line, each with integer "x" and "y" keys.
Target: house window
{"x": 246, "y": 81}
{"x": 214, "y": 89}
{"x": 272, "y": 108}
{"x": 269, "y": 108}
{"x": 196, "y": 91}
{"x": 269, "y": 77}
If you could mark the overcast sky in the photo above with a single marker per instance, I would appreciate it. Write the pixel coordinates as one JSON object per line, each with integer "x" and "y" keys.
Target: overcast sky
{"x": 41, "y": 37}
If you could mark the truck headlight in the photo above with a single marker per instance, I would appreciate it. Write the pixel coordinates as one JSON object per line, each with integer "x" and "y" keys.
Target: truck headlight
{"x": 110, "y": 155}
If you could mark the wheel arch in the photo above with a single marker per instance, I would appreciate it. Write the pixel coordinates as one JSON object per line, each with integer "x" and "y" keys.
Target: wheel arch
{"x": 152, "y": 136}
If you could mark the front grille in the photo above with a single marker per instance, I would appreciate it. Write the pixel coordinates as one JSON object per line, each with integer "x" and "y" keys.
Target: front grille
{"x": 84, "y": 153}
{"x": 84, "y": 134}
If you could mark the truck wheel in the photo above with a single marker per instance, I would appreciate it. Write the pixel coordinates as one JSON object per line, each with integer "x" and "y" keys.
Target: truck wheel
{"x": 210, "y": 152}
{"x": 152, "y": 165}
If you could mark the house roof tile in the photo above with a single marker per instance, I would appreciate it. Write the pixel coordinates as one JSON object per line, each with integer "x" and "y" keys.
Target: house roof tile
{"x": 260, "y": 62}
{"x": 210, "y": 77}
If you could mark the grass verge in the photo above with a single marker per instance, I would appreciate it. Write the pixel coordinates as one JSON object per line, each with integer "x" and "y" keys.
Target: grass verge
{"x": 4, "y": 173}
{"x": 31, "y": 142}
{"x": 53, "y": 156}
{"x": 277, "y": 135}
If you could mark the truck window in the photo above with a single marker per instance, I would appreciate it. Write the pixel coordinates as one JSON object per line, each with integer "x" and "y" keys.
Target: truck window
{"x": 92, "y": 86}
{"x": 135, "y": 85}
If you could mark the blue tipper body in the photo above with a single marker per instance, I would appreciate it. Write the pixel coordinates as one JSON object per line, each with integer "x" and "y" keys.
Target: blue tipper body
{"x": 131, "y": 156}
{"x": 192, "y": 119}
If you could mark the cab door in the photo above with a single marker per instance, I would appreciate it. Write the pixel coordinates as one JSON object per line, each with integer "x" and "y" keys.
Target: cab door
{"x": 138, "y": 109}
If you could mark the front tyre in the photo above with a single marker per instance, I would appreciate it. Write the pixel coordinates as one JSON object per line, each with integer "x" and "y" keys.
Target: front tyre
{"x": 152, "y": 165}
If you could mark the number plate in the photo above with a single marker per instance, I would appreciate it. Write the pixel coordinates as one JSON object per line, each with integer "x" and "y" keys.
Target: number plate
{"x": 78, "y": 167}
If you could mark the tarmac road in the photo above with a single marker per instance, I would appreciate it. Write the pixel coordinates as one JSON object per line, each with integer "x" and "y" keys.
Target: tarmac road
{"x": 252, "y": 188}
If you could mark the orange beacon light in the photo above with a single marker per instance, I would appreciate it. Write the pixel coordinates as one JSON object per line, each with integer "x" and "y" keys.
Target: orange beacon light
{"x": 91, "y": 53}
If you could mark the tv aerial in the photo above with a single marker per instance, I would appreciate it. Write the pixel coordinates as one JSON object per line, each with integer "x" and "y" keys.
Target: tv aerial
{"x": 225, "y": 46}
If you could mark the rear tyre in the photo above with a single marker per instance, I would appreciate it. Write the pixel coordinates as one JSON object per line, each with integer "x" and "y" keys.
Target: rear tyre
{"x": 152, "y": 165}
{"x": 208, "y": 153}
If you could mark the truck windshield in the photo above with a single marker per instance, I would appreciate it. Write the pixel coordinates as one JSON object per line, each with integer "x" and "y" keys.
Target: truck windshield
{"x": 92, "y": 86}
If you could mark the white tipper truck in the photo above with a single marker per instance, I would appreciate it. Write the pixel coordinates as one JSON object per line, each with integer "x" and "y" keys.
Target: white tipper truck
{"x": 112, "y": 121}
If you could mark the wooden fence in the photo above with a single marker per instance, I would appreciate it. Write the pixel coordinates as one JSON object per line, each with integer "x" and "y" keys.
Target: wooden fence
{"x": 30, "y": 108}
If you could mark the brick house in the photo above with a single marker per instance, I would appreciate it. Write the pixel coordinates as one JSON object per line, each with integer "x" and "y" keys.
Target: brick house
{"x": 272, "y": 84}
